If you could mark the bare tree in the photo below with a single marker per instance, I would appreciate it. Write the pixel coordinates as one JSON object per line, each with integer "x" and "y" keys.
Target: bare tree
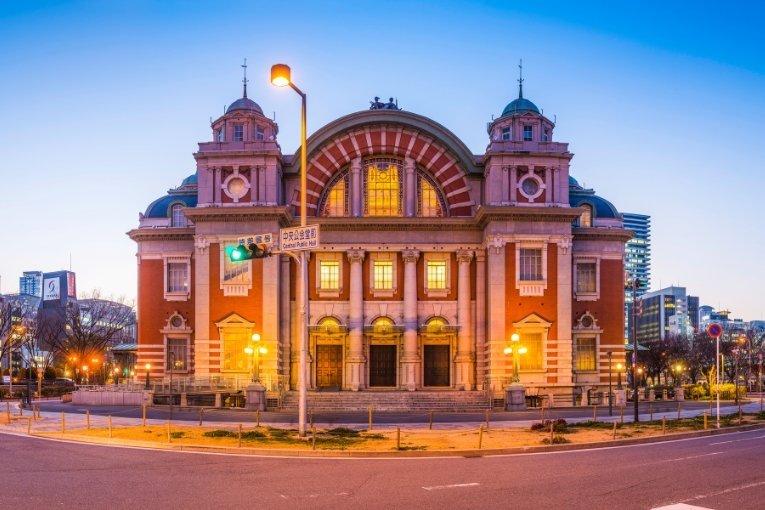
{"x": 15, "y": 316}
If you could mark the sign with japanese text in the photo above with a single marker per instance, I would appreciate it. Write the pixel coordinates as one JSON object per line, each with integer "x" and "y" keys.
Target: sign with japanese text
{"x": 299, "y": 238}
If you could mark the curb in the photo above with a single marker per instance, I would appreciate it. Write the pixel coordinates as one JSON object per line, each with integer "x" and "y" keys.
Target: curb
{"x": 365, "y": 454}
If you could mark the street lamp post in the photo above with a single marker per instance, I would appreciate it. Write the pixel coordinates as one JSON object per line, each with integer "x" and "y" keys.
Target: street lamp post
{"x": 610, "y": 392}
{"x": 634, "y": 284}
{"x": 148, "y": 368}
{"x": 515, "y": 393}
{"x": 281, "y": 76}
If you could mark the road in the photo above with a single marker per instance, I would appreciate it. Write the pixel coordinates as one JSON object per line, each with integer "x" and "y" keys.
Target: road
{"x": 719, "y": 472}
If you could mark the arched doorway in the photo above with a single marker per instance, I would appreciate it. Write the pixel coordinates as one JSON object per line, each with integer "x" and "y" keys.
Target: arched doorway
{"x": 383, "y": 353}
{"x": 329, "y": 338}
{"x": 437, "y": 338}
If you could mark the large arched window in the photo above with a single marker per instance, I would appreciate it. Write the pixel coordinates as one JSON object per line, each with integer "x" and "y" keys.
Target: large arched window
{"x": 428, "y": 200}
{"x": 336, "y": 200}
{"x": 382, "y": 187}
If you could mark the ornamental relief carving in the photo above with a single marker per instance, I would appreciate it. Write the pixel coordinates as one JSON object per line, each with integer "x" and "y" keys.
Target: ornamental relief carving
{"x": 355, "y": 256}
{"x": 464, "y": 256}
{"x": 410, "y": 256}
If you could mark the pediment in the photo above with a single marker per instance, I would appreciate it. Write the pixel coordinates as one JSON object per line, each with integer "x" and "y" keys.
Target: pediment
{"x": 533, "y": 320}
{"x": 235, "y": 320}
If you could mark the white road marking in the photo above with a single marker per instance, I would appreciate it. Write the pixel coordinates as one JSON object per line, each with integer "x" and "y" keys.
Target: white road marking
{"x": 689, "y": 457}
{"x": 726, "y": 491}
{"x": 451, "y": 486}
{"x": 737, "y": 440}
{"x": 680, "y": 506}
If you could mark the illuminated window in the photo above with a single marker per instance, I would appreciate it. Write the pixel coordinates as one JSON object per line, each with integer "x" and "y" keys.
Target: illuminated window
{"x": 177, "y": 277}
{"x": 177, "y": 218}
{"x": 383, "y": 275}
{"x": 436, "y": 274}
{"x": 329, "y": 275}
{"x": 585, "y": 220}
{"x": 336, "y": 201}
{"x": 527, "y": 133}
{"x": 177, "y": 349}
{"x": 238, "y": 133}
{"x": 532, "y": 358}
{"x": 585, "y": 354}
{"x": 382, "y": 188}
{"x": 530, "y": 264}
{"x": 586, "y": 277}
{"x": 234, "y": 357}
{"x": 428, "y": 203}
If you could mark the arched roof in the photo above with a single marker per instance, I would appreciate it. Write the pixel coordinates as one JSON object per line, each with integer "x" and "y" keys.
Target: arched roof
{"x": 392, "y": 133}
{"x": 185, "y": 194}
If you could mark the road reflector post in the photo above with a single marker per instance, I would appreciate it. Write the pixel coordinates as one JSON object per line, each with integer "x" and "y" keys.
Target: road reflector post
{"x": 430, "y": 420}
{"x": 144, "y": 415}
{"x": 239, "y": 437}
{"x": 370, "y": 417}
{"x": 705, "y": 420}
{"x": 614, "y": 430}
{"x": 87, "y": 419}
{"x": 110, "y": 426}
{"x": 480, "y": 436}
{"x": 486, "y": 413}
{"x": 201, "y": 415}
{"x": 29, "y": 426}
{"x": 398, "y": 438}
{"x": 663, "y": 424}
{"x": 21, "y": 407}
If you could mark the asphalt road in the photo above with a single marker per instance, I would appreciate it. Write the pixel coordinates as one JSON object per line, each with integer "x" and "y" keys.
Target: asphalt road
{"x": 719, "y": 472}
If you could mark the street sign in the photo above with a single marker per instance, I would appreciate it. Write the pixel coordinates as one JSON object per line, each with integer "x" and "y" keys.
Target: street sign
{"x": 299, "y": 238}
{"x": 715, "y": 330}
{"x": 267, "y": 239}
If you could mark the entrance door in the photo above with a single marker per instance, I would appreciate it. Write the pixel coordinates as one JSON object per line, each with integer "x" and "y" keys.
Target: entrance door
{"x": 329, "y": 366}
{"x": 436, "y": 365}
{"x": 382, "y": 365}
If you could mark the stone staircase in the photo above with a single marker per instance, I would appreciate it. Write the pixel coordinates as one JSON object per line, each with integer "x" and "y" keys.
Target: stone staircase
{"x": 449, "y": 401}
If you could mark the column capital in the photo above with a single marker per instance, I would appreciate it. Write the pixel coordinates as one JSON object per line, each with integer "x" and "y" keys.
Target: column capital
{"x": 356, "y": 165}
{"x": 464, "y": 256}
{"x": 410, "y": 256}
{"x": 480, "y": 256}
{"x": 409, "y": 165}
{"x": 355, "y": 256}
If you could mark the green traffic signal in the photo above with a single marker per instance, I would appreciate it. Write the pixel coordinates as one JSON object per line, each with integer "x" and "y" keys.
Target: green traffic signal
{"x": 241, "y": 253}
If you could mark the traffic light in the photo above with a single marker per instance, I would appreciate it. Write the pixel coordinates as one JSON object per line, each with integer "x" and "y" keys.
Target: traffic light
{"x": 241, "y": 252}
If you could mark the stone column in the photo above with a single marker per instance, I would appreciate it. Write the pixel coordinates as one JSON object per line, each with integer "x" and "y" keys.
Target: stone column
{"x": 355, "y": 191}
{"x": 410, "y": 190}
{"x": 505, "y": 185}
{"x": 480, "y": 317}
{"x": 495, "y": 309}
{"x": 217, "y": 185}
{"x": 548, "y": 185}
{"x": 356, "y": 359}
{"x": 565, "y": 341}
{"x": 201, "y": 281}
{"x": 285, "y": 320}
{"x": 513, "y": 184}
{"x": 465, "y": 354}
{"x": 410, "y": 361}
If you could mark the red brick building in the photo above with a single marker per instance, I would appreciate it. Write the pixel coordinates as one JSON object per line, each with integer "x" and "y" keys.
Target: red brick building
{"x": 431, "y": 257}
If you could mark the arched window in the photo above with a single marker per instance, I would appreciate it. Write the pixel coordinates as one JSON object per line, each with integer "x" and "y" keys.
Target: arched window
{"x": 428, "y": 200}
{"x": 382, "y": 187}
{"x": 585, "y": 220}
{"x": 336, "y": 200}
{"x": 177, "y": 218}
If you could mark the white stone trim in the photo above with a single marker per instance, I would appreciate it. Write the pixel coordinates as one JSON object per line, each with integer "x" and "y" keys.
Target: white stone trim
{"x": 586, "y": 259}
{"x": 535, "y": 287}
{"x": 176, "y": 258}
{"x": 235, "y": 175}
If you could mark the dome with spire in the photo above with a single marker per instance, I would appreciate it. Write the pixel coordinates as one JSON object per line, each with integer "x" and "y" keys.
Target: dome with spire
{"x": 520, "y": 105}
{"x": 245, "y": 104}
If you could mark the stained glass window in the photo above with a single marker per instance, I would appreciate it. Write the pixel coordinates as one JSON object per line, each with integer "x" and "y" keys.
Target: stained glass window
{"x": 429, "y": 203}
{"x": 383, "y": 195}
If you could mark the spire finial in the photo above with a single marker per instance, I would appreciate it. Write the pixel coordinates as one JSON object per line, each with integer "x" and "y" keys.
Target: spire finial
{"x": 520, "y": 81}
{"x": 245, "y": 80}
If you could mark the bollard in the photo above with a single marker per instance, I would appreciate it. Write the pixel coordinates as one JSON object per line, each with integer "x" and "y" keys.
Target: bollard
{"x": 313, "y": 437}
{"x": 678, "y": 410}
{"x": 370, "y": 417}
{"x": 705, "y": 420}
{"x": 650, "y": 410}
{"x": 257, "y": 418}
{"x": 398, "y": 438}
{"x": 621, "y": 415}
{"x": 239, "y": 437}
{"x": 486, "y": 414}
{"x": 21, "y": 407}
{"x": 663, "y": 424}
{"x": 110, "y": 426}
{"x": 201, "y": 415}
{"x": 430, "y": 420}
{"x": 552, "y": 431}
{"x": 480, "y": 436}
{"x": 29, "y": 426}
{"x": 63, "y": 422}
{"x": 168, "y": 431}
{"x": 595, "y": 413}
{"x": 614, "y": 430}
{"x": 144, "y": 415}
{"x": 87, "y": 419}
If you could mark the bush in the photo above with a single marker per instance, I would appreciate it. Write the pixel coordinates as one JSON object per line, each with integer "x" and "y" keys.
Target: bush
{"x": 559, "y": 425}
{"x": 555, "y": 440}
{"x": 176, "y": 435}
{"x": 727, "y": 391}
{"x": 253, "y": 434}
{"x": 219, "y": 433}
{"x": 695, "y": 391}
{"x": 343, "y": 432}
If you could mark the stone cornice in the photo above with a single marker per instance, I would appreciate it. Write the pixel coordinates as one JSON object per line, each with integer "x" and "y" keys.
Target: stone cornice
{"x": 162, "y": 234}
{"x": 490, "y": 213}
{"x": 279, "y": 213}
{"x": 394, "y": 224}
{"x": 602, "y": 234}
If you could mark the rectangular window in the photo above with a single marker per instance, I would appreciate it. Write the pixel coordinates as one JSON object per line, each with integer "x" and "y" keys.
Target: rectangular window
{"x": 532, "y": 358}
{"x": 546, "y": 135}
{"x": 436, "y": 273}
{"x": 506, "y": 133}
{"x": 585, "y": 354}
{"x": 530, "y": 264}
{"x": 260, "y": 133}
{"x": 176, "y": 353}
{"x": 220, "y": 135}
{"x": 383, "y": 275}
{"x": 329, "y": 275}
{"x": 585, "y": 277}
{"x": 238, "y": 133}
{"x": 177, "y": 277}
{"x": 234, "y": 357}
{"x": 527, "y": 132}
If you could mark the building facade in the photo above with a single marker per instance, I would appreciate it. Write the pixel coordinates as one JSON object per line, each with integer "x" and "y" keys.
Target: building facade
{"x": 666, "y": 312}
{"x": 637, "y": 261}
{"x": 431, "y": 257}
{"x": 30, "y": 282}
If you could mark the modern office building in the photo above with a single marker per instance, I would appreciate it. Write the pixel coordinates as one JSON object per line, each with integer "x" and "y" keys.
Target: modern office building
{"x": 430, "y": 258}
{"x": 664, "y": 313}
{"x": 637, "y": 260}
{"x": 31, "y": 283}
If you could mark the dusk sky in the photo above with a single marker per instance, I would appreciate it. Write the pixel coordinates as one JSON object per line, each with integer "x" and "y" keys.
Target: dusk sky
{"x": 103, "y": 104}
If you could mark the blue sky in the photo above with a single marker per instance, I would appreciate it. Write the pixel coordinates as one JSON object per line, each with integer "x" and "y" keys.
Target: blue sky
{"x": 103, "y": 103}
